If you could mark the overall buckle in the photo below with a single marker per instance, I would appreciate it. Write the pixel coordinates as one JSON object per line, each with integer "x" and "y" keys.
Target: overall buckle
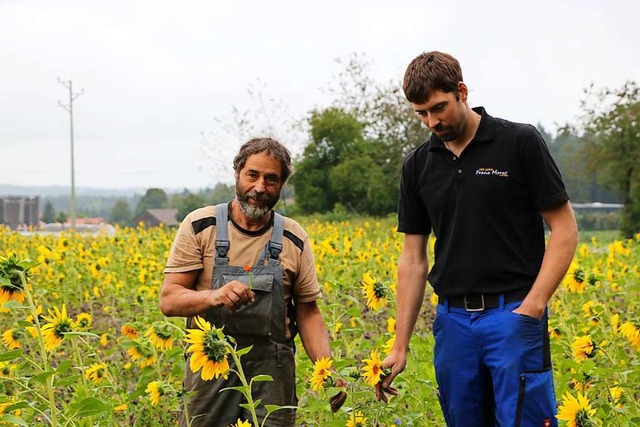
{"x": 474, "y": 302}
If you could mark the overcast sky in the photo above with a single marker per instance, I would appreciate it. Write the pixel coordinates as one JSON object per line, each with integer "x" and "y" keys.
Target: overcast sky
{"x": 161, "y": 78}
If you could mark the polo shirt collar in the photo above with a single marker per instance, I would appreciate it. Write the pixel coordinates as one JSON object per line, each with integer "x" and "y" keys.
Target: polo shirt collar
{"x": 486, "y": 130}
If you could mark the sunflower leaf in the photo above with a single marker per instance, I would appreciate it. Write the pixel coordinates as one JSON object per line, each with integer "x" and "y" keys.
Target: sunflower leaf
{"x": 262, "y": 378}
{"x": 10, "y": 355}
{"x": 86, "y": 407}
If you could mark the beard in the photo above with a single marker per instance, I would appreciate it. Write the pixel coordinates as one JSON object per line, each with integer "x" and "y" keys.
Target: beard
{"x": 258, "y": 210}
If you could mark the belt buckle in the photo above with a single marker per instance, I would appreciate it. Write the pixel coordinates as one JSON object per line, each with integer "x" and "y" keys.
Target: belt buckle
{"x": 474, "y": 303}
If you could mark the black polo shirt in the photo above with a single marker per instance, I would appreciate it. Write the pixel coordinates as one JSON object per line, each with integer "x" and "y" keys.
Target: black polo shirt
{"x": 483, "y": 207}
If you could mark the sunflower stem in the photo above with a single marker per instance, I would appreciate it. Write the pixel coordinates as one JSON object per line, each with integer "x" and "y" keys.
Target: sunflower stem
{"x": 43, "y": 352}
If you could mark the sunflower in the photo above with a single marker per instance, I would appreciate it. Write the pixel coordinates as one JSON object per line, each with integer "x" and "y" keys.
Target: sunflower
{"x": 388, "y": 346}
{"x": 321, "y": 371}
{"x": 356, "y": 419}
{"x": 120, "y": 408}
{"x": 631, "y": 333}
{"x": 241, "y": 423}
{"x": 375, "y": 292}
{"x": 160, "y": 335}
{"x": 574, "y": 280}
{"x": 391, "y": 325}
{"x": 83, "y": 321}
{"x": 10, "y": 339}
{"x": 372, "y": 371}
{"x": 142, "y": 353}
{"x": 11, "y": 286}
{"x": 208, "y": 350}
{"x": 577, "y": 412}
{"x": 129, "y": 330}
{"x": 59, "y": 323}
{"x": 583, "y": 348}
{"x": 155, "y": 390}
{"x": 6, "y": 368}
{"x": 96, "y": 372}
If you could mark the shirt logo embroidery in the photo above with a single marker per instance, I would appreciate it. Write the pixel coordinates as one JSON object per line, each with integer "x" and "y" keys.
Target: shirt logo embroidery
{"x": 492, "y": 171}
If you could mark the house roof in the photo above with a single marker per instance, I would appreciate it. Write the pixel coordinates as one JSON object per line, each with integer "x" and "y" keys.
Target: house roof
{"x": 167, "y": 216}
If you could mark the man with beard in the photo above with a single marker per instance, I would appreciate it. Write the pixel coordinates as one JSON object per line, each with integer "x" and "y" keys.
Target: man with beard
{"x": 244, "y": 267}
{"x": 485, "y": 187}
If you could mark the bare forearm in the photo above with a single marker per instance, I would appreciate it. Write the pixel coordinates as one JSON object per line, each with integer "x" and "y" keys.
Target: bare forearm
{"x": 412, "y": 277}
{"x": 185, "y": 302}
{"x": 313, "y": 332}
{"x": 557, "y": 258}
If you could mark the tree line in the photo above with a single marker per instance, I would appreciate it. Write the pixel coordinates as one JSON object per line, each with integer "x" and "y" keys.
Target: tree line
{"x": 354, "y": 149}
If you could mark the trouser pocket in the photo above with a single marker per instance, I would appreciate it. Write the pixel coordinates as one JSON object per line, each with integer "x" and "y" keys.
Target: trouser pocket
{"x": 536, "y": 399}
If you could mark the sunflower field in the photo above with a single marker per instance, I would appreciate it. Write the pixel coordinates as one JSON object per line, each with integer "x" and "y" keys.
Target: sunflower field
{"x": 83, "y": 343}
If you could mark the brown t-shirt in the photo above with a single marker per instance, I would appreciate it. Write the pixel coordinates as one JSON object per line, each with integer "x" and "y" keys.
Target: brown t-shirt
{"x": 194, "y": 248}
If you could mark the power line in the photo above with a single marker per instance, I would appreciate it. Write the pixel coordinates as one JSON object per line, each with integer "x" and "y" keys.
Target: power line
{"x": 69, "y": 107}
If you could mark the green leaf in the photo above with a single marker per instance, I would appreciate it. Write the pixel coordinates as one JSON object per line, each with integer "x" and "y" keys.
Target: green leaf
{"x": 41, "y": 378}
{"x": 19, "y": 405}
{"x": 15, "y": 420}
{"x": 262, "y": 378}
{"x": 27, "y": 263}
{"x": 86, "y": 334}
{"x": 241, "y": 389}
{"x": 273, "y": 408}
{"x": 64, "y": 366}
{"x": 10, "y": 355}
{"x": 254, "y": 405}
{"x": 5, "y": 283}
{"x": 86, "y": 407}
{"x": 13, "y": 304}
{"x": 243, "y": 351}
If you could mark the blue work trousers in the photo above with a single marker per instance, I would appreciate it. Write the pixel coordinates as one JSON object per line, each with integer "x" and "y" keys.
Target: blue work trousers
{"x": 493, "y": 367}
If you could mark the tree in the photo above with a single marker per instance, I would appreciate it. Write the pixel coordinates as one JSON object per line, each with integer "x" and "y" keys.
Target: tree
{"x": 61, "y": 217}
{"x": 154, "y": 198}
{"x": 222, "y": 193}
{"x": 121, "y": 213}
{"x": 357, "y": 146}
{"x": 49, "y": 213}
{"x": 186, "y": 203}
{"x": 335, "y": 137}
{"x": 611, "y": 126}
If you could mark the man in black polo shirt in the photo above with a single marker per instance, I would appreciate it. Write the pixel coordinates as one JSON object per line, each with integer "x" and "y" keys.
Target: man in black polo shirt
{"x": 484, "y": 186}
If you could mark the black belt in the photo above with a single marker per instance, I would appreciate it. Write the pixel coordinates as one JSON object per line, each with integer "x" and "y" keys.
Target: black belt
{"x": 479, "y": 302}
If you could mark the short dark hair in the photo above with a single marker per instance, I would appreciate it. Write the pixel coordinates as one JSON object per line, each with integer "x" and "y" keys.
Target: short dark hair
{"x": 428, "y": 72}
{"x": 269, "y": 146}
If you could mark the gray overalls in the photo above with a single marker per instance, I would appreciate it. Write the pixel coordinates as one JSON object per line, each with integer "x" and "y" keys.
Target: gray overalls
{"x": 261, "y": 324}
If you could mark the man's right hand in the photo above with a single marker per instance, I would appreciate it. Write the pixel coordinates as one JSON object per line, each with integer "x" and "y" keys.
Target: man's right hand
{"x": 395, "y": 363}
{"x": 233, "y": 296}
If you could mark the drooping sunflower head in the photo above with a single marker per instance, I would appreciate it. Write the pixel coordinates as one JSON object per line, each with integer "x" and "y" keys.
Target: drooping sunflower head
{"x": 576, "y": 411}
{"x": 141, "y": 352}
{"x": 374, "y": 291}
{"x": 155, "y": 390}
{"x": 83, "y": 321}
{"x": 12, "y": 270}
{"x": 59, "y": 324}
{"x": 160, "y": 335}
{"x": 208, "y": 349}
{"x": 96, "y": 372}
{"x": 10, "y": 339}
{"x": 575, "y": 279}
{"x": 583, "y": 348}
{"x": 130, "y": 330}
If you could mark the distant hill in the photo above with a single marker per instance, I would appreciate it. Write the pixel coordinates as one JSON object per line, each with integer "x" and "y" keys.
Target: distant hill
{"x": 59, "y": 190}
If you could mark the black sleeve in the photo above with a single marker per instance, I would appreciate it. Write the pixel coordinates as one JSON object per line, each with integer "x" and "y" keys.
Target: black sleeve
{"x": 542, "y": 173}
{"x": 413, "y": 217}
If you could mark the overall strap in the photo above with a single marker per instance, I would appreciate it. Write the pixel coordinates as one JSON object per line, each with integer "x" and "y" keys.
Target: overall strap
{"x": 274, "y": 246}
{"x": 222, "y": 230}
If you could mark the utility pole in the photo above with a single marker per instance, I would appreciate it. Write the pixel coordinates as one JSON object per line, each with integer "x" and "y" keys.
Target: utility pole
{"x": 69, "y": 108}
